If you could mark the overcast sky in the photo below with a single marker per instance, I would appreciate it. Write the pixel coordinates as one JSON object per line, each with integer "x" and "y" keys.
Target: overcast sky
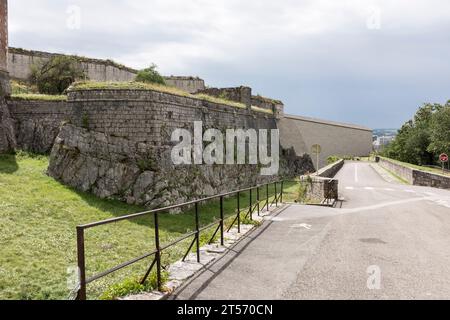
{"x": 367, "y": 62}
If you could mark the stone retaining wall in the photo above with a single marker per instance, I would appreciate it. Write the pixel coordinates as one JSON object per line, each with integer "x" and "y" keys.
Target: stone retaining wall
{"x": 331, "y": 170}
{"x": 416, "y": 177}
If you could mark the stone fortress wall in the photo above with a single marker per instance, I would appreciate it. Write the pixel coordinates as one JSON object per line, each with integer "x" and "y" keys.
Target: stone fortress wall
{"x": 118, "y": 145}
{"x": 20, "y": 62}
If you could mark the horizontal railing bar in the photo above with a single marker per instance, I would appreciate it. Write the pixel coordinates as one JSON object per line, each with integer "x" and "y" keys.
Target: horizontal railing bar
{"x": 179, "y": 240}
{"x": 145, "y": 213}
{"x": 119, "y": 267}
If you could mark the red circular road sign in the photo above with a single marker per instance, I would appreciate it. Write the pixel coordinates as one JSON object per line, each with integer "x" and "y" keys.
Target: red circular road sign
{"x": 443, "y": 157}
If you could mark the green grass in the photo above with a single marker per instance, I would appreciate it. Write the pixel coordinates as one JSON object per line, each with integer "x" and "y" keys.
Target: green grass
{"x": 413, "y": 166}
{"x": 38, "y": 217}
{"x": 40, "y": 97}
{"x": 133, "y": 85}
{"x": 262, "y": 110}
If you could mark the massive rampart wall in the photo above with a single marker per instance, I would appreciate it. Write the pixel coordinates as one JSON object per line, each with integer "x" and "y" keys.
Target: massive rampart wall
{"x": 118, "y": 145}
{"x": 336, "y": 139}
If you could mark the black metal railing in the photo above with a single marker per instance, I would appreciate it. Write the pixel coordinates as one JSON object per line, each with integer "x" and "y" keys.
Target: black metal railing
{"x": 159, "y": 248}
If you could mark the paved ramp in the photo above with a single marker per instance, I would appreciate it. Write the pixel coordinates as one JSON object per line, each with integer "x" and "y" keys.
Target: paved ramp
{"x": 400, "y": 232}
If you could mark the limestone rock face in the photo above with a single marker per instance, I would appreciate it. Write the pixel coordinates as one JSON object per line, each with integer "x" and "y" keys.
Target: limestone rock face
{"x": 118, "y": 168}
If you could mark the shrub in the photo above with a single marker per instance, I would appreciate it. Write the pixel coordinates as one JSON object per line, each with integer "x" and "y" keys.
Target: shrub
{"x": 150, "y": 75}
{"x": 132, "y": 286}
{"x": 56, "y": 75}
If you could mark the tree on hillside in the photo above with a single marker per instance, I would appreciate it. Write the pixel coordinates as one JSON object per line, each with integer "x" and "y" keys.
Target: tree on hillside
{"x": 150, "y": 75}
{"x": 56, "y": 75}
{"x": 440, "y": 131}
{"x": 420, "y": 141}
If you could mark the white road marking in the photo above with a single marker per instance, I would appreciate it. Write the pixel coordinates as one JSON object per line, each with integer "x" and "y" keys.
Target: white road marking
{"x": 383, "y": 205}
{"x": 430, "y": 194}
{"x": 369, "y": 188}
{"x": 389, "y": 189}
{"x": 409, "y": 191}
{"x": 350, "y": 188}
{"x": 303, "y": 225}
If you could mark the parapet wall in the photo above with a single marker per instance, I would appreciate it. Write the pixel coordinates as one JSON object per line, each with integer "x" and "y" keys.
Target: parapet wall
{"x": 244, "y": 95}
{"x": 20, "y": 64}
{"x": 416, "y": 177}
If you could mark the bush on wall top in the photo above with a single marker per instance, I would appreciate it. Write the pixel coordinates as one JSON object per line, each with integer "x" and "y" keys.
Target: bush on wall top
{"x": 56, "y": 75}
{"x": 150, "y": 75}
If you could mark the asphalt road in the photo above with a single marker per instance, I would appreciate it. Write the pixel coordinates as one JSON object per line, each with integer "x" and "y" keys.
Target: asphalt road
{"x": 389, "y": 241}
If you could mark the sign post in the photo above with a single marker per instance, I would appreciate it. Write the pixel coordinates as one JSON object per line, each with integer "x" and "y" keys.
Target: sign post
{"x": 443, "y": 158}
{"x": 317, "y": 150}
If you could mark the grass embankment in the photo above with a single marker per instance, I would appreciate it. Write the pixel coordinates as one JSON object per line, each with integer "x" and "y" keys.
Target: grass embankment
{"x": 38, "y": 217}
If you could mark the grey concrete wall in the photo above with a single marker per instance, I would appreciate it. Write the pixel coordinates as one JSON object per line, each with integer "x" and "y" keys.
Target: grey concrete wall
{"x": 417, "y": 177}
{"x": 188, "y": 84}
{"x": 338, "y": 139}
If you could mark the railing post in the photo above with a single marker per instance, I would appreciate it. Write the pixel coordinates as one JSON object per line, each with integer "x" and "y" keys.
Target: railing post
{"x": 239, "y": 211}
{"x": 267, "y": 196}
{"x": 276, "y": 195}
{"x": 197, "y": 226}
{"x": 222, "y": 240}
{"x": 251, "y": 204}
{"x": 257, "y": 199}
{"x": 82, "y": 295}
{"x": 158, "y": 252}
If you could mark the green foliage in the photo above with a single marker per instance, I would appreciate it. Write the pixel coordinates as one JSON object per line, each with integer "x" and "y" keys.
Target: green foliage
{"x": 333, "y": 159}
{"x": 150, "y": 75}
{"x": 420, "y": 141}
{"x": 133, "y": 286}
{"x": 39, "y": 97}
{"x": 56, "y": 75}
{"x": 20, "y": 88}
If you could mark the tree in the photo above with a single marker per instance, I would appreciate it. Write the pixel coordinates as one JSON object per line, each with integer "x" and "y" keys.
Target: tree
{"x": 440, "y": 131}
{"x": 56, "y": 75}
{"x": 422, "y": 140}
{"x": 150, "y": 75}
